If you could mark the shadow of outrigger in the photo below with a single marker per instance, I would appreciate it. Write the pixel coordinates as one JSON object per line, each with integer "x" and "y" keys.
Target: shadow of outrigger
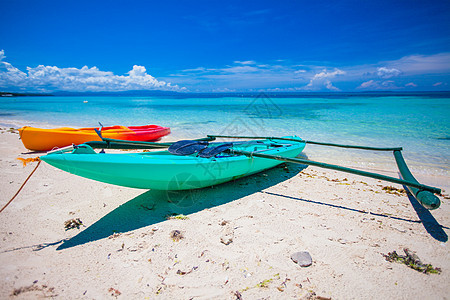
{"x": 430, "y": 224}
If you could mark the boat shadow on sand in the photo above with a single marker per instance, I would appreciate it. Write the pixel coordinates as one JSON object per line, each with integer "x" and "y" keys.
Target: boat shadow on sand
{"x": 153, "y": 206}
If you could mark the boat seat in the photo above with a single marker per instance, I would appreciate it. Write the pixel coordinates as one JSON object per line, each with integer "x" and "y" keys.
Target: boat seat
{"x": 213, "y": 151}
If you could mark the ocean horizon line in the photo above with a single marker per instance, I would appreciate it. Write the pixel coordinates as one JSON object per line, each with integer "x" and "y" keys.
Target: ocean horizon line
{"x": 281, "y": 94}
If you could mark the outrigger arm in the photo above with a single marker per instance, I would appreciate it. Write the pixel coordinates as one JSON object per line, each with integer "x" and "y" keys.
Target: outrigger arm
{"x": 423, "y": 193}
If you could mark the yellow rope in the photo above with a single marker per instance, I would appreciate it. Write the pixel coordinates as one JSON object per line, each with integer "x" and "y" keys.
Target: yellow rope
{"x": 25, "y": 161}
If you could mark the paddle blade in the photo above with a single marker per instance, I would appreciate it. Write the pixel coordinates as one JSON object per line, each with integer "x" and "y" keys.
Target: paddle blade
{"x": 99, "y": 133}
{"x": 213, "y": 151}
{"x": 187, "y": 147}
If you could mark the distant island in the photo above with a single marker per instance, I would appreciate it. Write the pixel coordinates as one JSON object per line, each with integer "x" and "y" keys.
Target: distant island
{"x": 8, "y": 94}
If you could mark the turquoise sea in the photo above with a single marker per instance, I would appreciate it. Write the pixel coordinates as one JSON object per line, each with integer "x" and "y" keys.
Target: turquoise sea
{"x": 420, "y": 123}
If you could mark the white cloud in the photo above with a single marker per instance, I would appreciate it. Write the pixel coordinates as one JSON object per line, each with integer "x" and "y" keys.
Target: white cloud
{"x": 378, "y": 85}
{"x": 52, "y": 78}
{"x": 384, "y": 72}
{"x": 247, "y": 62}
{"x": 388, "y": 84}
{"x": 407, "y": 68}
{"x": 281, "y": 75}
{"x": 326, "y": 74}
{"x": 240, "y": 69}
{"x": 198, "y": 69}
{"x": 321, "y": 80}
{"x": 272, "y": 77}
{"x": 422, "y": 64}
{"x": 368, "y": 84}
{"x": 223, "y": 90}
{"x": 9, "y": 73}
{"x": 138, "y": 71}
{"x": 330, "y": 86}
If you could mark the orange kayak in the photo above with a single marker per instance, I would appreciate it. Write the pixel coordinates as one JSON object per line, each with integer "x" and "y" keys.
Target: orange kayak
{"x": 40, "y": 139}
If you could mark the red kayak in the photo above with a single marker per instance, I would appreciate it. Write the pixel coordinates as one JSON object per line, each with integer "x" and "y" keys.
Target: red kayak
{"x": 40, "y": 139}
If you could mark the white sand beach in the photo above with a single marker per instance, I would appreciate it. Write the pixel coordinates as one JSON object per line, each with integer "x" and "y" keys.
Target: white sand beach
{"x": 237, "y": 238}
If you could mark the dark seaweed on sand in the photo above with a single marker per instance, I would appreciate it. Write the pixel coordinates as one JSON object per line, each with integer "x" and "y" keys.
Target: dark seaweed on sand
{"x": 412, "y": 261}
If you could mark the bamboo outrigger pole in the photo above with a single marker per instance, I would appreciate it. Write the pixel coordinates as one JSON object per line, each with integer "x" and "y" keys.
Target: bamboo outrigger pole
{"x": 425, "y": 197}
{"x": 423, "y": 193}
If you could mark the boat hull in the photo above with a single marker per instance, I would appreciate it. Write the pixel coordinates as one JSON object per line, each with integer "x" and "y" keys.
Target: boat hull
{"x": 164, "y": 171}
{"x": 39, "y": 139}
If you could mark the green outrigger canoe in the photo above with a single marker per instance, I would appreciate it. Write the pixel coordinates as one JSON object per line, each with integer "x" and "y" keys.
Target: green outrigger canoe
{"x": 163, "y": 170}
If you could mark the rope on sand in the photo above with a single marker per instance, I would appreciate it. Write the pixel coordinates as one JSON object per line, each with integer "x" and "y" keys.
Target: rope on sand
{"x": 29, "y": 176}
{"x": 25, "y": 161}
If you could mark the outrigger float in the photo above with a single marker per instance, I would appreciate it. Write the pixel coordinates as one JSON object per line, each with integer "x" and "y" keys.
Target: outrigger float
{"x": 200, "y": 163}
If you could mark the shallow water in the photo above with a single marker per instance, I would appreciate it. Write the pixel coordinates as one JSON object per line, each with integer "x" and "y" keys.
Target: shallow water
{"x": 420, "y": 123}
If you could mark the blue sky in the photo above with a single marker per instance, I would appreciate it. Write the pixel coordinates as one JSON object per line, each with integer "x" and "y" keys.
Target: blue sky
{"x": 223, "y": 46}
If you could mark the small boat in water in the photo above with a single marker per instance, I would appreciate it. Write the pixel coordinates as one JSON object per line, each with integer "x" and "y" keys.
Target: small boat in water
{"x": 39, "y": 139}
